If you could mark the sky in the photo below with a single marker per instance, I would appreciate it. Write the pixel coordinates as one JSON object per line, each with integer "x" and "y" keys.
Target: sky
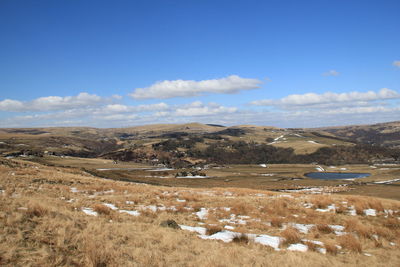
{"x": 271, "y": 63}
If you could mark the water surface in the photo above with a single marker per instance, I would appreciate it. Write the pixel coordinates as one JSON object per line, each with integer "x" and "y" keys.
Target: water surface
{"x": 336, "y": 175}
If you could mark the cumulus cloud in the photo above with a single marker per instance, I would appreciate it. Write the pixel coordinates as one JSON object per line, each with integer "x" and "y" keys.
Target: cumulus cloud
{"x": 188, "y": 88}
{"x": 329, "y": 97}
{"x": 119, "y": 108}
{"x": 331, "y": 73}
{"x": 197, "y": 108}
{"x": 52, "y": 103}
{"x": 396, "y": 63}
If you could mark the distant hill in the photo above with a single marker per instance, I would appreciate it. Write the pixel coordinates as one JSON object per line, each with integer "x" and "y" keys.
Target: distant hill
{"x": 191, "y": 142}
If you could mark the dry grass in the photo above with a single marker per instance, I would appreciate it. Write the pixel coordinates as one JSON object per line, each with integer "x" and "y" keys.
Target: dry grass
{"x": 241, "y": 239}
{"x": 36, "y": 210}
{"x": 350, "y": 242}
{"x": 311, "y": 246}
{"x": 340, "y": 209}
{"x": 213, "y": 229}
{"x": 321, "y": 202}
{"x": 291, "y": 236}
{"x": 277, "y": 221}
{"x": 324, "y": 228}
{"x": 331, "y": 247}
{"x": 392, "y": 223}
{"x": 101, "y": 209}
{"x": 38, "y": 227}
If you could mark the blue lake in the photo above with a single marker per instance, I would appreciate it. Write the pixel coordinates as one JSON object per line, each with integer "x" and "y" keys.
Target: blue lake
{"x": 335, "y": 175}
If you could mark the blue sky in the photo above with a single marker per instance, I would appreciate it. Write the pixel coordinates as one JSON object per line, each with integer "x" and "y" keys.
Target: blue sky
{"x": 124, "y": 63}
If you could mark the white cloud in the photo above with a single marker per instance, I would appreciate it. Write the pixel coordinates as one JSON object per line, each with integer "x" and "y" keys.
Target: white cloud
{"x": 118, "y": 108}
{"x": 331, "y": 73}
{"x": 396, "y": 63}
{"x": 188, "y": 88}
{"x": 11, "y": 105}
{"x": 328, "y": 97}
{"x": 52, "y": 103}
{"x": 198, "y": 109}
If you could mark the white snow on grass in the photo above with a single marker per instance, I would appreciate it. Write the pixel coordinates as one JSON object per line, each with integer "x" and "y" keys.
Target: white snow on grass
{"x": 370, "y": 212}
{"x": 235, "y": 220}
{"x": 352, "y": 211}
{"x": 225, "y": 236}
{"x": 263, "y": 165}
{"x": 129, "y": 202}
{"x": 181, "y": 200}
{"x": 268, "y": 240}
{"x": 387, "y": 181}
{"x": 111, "y": 206}
{"x": 89, "y": 211}
{"x": 229, "y": 227}
{"x": 331, "y": 207}
{"x": 130, "y": 212}
{"x": 312, "y": 142}
{"x": 298, "y": 247}
{"x": 202, "y": 214}
{"x": 320, "y": 169}
{"x": 74, "y": 190}
{"x": 336, "y": 228}
{"x": 198, "y": 229}
{"x": 302, "y": 228}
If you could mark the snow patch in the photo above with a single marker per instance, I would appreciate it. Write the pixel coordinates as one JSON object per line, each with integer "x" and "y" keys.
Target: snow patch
{"x": 298, "y": 247}
{"x": 89, "y": 211}
{"x": 202, "y": 214}
{"x": 111, "y": 206}
{"x": 370, "y": 212}
{"x": 130, "y": 212}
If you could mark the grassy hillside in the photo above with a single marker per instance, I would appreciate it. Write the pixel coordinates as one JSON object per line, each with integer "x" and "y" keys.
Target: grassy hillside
{"x": 62, "y": 216}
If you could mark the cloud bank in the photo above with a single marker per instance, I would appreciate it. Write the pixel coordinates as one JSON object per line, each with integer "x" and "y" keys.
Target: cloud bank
{"x": 190, "y": 88}
{"x": 52, "y": 103}
{"x": 328, "y": 97}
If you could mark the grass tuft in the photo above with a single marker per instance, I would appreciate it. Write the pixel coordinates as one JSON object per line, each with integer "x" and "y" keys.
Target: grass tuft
{"x": 101, "y": 209}
{"x": 291, "y": 236}
{"x": 213, "y": 229}
{"x": 350, "y": 242}
{"x": 241, "y": 239}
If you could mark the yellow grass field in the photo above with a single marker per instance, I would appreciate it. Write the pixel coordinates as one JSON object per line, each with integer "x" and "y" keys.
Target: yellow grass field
{"x": 56, "y": 216}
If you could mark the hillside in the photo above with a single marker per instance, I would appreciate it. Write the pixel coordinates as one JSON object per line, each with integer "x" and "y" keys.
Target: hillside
{"x": 381, "y": 134}
{"x": 54, "y": 216}
{"x": 187, "y": 143}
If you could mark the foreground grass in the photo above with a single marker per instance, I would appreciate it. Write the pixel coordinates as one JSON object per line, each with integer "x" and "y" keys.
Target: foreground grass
{"x": 42, "y": 223}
